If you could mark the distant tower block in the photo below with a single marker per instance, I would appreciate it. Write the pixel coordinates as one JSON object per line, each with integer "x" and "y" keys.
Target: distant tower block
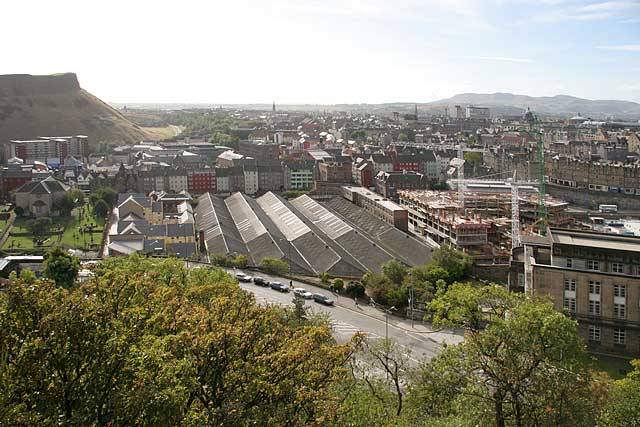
{"x": 446, "y": 111}
{"x": 459, "y": 114}
{"x": 416, "y": 111}
{"x": 274, "y": 107}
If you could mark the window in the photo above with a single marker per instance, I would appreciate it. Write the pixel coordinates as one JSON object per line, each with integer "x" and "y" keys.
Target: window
{"x": 594, "y": 333}
{"x": 617, "y": 267}
{"x": 619, "y": 336}
{"x": 593, "y": 265}
{"x": 594, "y": 287}
{"x": 570, "y": 304}
{"x": 620, "y": 311}
{"x": 620, "y": 291}
{"x": 594, "y": 308}
{"x": 569, "y": 263}
{"x": 570, "y": 285}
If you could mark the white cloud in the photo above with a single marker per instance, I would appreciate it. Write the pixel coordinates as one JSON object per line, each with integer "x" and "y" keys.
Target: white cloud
{"x": 494, "y": 58}
{"x": 591, "y": 12}
{"x": 622, "y": 47}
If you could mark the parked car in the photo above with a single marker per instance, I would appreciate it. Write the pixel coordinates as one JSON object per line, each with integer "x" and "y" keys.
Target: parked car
{"x": 302, "y": 293}
{"x": 279, "y": 287}
{"x": 260, "y": 281}
{"x": 322, "y": 299}
{"x": 243, "y": 277}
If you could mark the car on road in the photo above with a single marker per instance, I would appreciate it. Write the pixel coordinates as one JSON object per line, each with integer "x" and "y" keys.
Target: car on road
{"x": 243, "y": 277}
{"x": 322, "y": 299}
{"x": 302, "y": 293}
{"x": 260, "y": 281}
{"x": 279, "y": 287}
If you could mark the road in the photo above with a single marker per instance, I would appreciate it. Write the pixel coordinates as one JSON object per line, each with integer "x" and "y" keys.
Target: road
{"x": 419, "y": 342}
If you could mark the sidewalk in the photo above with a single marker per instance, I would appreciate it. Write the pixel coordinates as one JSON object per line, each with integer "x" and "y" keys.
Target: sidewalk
{"x": 438, "y": 336}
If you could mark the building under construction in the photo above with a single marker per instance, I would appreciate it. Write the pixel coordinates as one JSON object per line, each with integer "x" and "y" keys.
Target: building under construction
{"x": 479, "y": 224}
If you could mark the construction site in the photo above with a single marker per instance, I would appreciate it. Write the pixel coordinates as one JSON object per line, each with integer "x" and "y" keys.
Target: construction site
{"x": 484, "y": 219}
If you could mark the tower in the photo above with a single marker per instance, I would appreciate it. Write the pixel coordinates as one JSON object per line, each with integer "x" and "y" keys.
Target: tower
{"x": 416, "y": 111}
{"x": 274, "y": 107}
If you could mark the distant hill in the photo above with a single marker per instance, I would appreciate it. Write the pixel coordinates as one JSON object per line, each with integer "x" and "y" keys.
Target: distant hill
{"x": 558, "y": 106}
{"x": 56, "y": 105}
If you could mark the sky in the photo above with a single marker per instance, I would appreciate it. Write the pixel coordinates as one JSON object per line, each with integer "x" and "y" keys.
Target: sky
{"x": 327, "y": 51}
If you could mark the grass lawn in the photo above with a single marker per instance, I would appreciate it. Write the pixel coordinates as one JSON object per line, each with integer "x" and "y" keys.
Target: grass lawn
{"x": 73, "y": 236}
{"x": 26, "y": 242}
{"x": 613, "y": 366}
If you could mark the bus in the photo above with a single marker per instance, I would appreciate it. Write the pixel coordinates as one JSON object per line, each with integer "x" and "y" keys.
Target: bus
{"x": 608, "y": 208}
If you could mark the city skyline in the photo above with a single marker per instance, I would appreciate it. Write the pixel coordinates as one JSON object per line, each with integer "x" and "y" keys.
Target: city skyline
{"x": 311, "y": 52}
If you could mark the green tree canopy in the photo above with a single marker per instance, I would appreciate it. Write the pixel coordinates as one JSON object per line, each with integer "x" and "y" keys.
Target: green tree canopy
{"x": 148, "y": 342}
{"x": 527, "y": 367}
{"x": 395, "y": 271}
{"x": 623, "y": 410}
{"x": 101, "y": 209}
{"x": 274, "y": 266}
{"x": 61, "y": 267}
{"x": 455, "y": 263}
{"x": 40, "y": 226}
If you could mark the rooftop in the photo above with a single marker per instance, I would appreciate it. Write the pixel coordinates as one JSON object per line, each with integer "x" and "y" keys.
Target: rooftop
{"x": 611, "y": 242}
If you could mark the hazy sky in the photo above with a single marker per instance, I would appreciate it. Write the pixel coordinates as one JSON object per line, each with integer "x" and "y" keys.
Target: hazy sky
{"x": 327, "y": 51}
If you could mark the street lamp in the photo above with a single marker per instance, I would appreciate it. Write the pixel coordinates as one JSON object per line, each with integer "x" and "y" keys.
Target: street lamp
{"x": 387, "y": 311}
{"x": 386, "y": 335}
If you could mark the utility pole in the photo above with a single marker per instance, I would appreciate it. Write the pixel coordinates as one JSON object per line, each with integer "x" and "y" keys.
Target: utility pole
{"x": 411, "y": 304}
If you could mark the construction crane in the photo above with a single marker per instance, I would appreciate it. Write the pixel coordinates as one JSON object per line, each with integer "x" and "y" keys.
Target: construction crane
{"x": 515, "y": 213}
{"x": 461, "y": 180}
{"x": 542, "y": 189}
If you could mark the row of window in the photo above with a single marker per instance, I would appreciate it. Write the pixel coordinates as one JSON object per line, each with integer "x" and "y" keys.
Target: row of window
{"x": 619, "y": 335}
{"x": 595, "y": 291}
{"x": 594, "y": 265}
{"x": 595, "y": 288}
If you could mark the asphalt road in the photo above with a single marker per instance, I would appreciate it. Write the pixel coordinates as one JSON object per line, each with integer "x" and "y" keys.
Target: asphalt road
{"x": 418, "y": 342}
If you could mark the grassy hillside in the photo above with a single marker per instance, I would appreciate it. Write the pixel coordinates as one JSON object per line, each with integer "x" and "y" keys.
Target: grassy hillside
{"x": 32, "y": 106}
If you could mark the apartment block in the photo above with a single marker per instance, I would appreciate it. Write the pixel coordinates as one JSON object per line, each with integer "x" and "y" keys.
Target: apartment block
{"x": 595, "y": 278}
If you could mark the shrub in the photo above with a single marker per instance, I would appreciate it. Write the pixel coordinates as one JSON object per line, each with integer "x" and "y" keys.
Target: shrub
{"x": 324, "y": 277}
{"x": 355, "y": 290}
{"x": 274, "y": 266}
{"x": 338, "y": 284}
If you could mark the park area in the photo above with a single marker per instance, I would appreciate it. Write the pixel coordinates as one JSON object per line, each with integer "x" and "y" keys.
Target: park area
{"x": 80, "y": 230}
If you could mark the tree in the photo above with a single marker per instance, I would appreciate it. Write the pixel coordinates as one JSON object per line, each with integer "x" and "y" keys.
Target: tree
{"x": 106, "y": 194}
{"x": 240, "y": 261}
{"x": 623, "y": 410}
{"x": 39, "y": 227}
{"x": 395, "y": 271}
{"x": 61, "y": 267}
{"x": 324, "y": 277}
{"x": 19, "y": 210}
{"x": 338, "y": 284}
{"x": 474, "y": 159}
{"x": 77, "y": 196}
{"x": 457, "y": 264}
{"x": 527, "y": 367}
{"x": 64, "y": 204}
{"x": 355, "y": 290}
{"x": 149, "y": 342}
{"x": 274, "y": 266}
{"x": 403, "y": 137}
{"x": 101, "y": 209}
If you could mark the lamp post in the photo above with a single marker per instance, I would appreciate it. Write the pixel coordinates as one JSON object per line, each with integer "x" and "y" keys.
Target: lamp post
{"x": 386, "y": 335}
{"x": 387, "y": 311}
{"x": 411, "y": 304}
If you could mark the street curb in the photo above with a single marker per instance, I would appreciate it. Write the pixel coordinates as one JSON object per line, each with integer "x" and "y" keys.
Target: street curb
{"x": 394, "y": 324}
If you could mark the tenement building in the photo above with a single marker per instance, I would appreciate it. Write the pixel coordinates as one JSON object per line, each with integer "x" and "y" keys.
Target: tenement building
{"x": 595, "y": 278}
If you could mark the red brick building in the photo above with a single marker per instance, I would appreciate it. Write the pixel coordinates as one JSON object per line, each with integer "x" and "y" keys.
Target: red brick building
{"x": 201, "y": 181}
